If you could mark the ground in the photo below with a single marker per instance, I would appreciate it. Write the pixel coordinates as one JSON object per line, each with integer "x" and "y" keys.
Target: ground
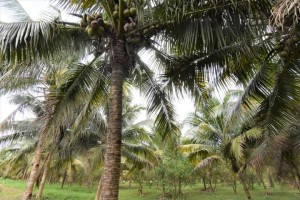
{"x": 12, "y": 190}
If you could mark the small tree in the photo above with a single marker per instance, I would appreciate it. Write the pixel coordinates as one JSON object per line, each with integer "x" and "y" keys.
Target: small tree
{"x": 173, "y": 172}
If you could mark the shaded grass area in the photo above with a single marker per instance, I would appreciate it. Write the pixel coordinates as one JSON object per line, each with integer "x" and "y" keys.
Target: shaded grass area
{"x": 12, "y": 190}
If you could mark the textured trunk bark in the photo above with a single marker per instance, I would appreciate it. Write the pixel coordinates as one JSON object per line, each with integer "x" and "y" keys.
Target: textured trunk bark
{"x": 271, "y": 182}
{"x": 45, "y": 173}
{"x": 64, "y": 179}
{"x": 204, "y": 183}
{"x": 234, "y": 183}
{"x": 243, "y": 182}
{"x": 112, "y": 159}
{"x": 35, "y": 167}
{"x": 99, "y": 189}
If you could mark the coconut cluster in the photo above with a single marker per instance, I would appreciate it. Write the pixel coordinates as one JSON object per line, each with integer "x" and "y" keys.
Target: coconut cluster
{"x": 288, "y": 47}
{"x": 94, "y": 25}
{"x": 129, "y": 16}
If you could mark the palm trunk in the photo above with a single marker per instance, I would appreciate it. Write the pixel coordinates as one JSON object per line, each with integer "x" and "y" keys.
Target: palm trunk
{"x": 99, "y": 189}
{"x": 112, "y": 160}
{"x": 245, "y": 186}
{"x": 234, "y": 183}
{"x": 204, "y": 183}
{"x": 64, "y": 179}
{"x": 45, "y": 173}
{"x": 271, "y": 182}
{"x": 35, "y": 167}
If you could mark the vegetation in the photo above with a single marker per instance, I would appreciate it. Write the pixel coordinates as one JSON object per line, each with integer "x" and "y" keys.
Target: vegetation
{"x": 76, "y": 79}
{"x": 193, "y": 192}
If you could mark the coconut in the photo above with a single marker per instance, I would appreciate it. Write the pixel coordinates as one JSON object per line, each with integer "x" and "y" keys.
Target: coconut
{"x": 101, "y": 30}
{"x": 90, "y": 18}
{"x": 90, "y": 31}
{"x": 132, "y": 11}
{"x": 94, "y": 24}
{"x": 100, "y": 21}
{"x": 145, "y": 31}
{"x": 99, "y": 15}
{"x": 115, "y": 14}
{"x": 83, "y": 23}
{"x": 126, "y": 13}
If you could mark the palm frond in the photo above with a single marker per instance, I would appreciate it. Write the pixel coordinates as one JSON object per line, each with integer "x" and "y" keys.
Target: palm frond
{"x": 158, "y": 101}
{"x": 206, "y": 162}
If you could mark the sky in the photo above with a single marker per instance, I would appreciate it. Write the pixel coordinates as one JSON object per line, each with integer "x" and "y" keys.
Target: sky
{"x": 34, "y": 7}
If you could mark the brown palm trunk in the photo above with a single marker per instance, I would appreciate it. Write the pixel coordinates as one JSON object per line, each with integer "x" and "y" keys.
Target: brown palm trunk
{"x": 35, "y": 167}
{"x": 234, "y": 183}
{"x": 99, "y": 189}
{"x": 45, "y": 173}
{"x": 64, "y": 179}
{"x": 204, "y": 183}
{"x": 245, "y": 186}
{"x": 112, "y": 160}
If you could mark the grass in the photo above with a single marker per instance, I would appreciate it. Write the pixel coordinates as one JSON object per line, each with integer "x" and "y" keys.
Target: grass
{"x": 12, "y": 190}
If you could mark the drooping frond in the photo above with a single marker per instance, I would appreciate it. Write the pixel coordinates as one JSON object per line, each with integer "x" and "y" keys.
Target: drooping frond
{"x": 26, "y": 42}
{"x": 207, "y": 161}
{"x": 285, "y": 13}
{"x": 277, "y": 110}
{"x": 158, "y": 101}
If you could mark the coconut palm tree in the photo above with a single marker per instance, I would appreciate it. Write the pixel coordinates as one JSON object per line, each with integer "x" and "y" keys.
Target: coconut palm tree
{"x": 205, "y": 34}
{"x": 226, "y": 139}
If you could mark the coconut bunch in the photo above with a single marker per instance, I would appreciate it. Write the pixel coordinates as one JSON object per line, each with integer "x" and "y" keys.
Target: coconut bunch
{"x": 94, "y": 25}
{"x": 129, "y": 14}
{"x": 289, "y": 47}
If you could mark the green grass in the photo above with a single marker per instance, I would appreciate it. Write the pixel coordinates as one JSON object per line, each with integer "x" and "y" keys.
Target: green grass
{"x": 12, "y": 190}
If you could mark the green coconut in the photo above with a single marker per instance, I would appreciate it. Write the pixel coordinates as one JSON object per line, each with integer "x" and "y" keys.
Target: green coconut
{"x": 132, "y": 11}
{"x": 101, "y": 30}
{"x": 145, "y": 31}
{"x": 90, "y": 18}
{"x": 83, "y": 23}
{"x": 115, "y": 14}
{"x": 90, "y": 31}
{"x": 126, "y": 13}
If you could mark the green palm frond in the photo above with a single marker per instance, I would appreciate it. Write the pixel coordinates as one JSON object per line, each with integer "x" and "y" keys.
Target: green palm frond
{"x": 277, "y": 110}
{"x": 93, "y": 6}
{"x": 26, "y": 42}
{"x": 138, "y": 162}
{"x": 158, "y": 101}
{"x": 19, "y": 130}
{"x": 211, "y": 25}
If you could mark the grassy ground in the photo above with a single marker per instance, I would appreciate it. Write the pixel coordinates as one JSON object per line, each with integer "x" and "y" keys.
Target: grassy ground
{"x": 12, "y": 190}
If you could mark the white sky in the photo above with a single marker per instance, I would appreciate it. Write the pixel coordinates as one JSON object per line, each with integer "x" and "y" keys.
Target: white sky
{"x": 34, "y": 7}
